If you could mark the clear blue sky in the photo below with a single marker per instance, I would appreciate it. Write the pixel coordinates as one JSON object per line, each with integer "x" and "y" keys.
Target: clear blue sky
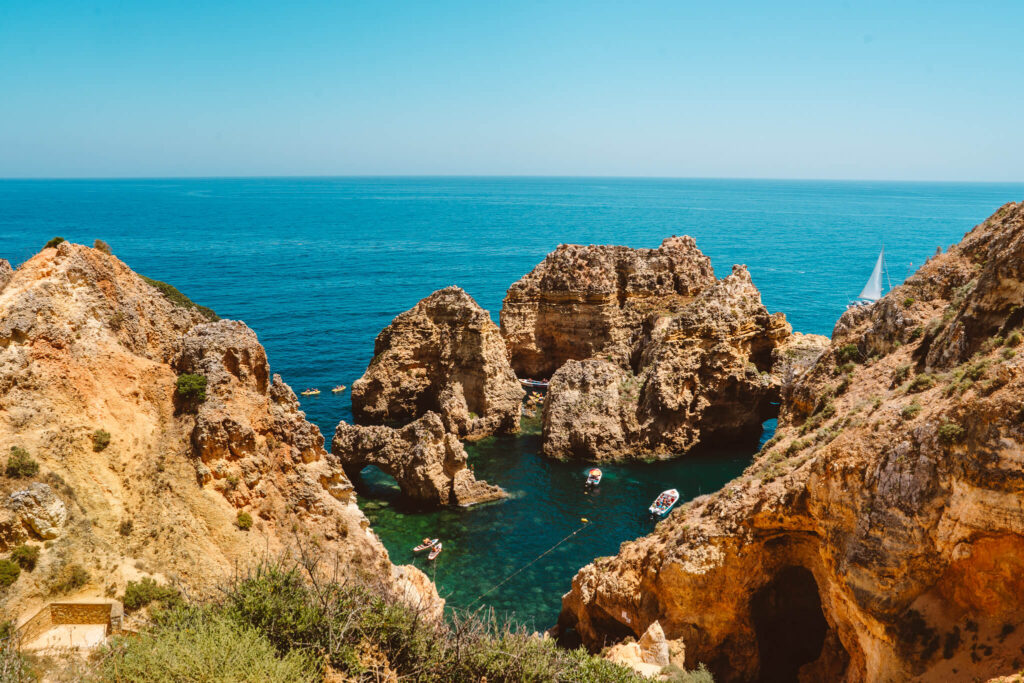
{"x": 900, "y": 90}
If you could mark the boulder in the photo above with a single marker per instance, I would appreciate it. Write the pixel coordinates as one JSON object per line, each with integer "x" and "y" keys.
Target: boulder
{"x": 40, "y": 509}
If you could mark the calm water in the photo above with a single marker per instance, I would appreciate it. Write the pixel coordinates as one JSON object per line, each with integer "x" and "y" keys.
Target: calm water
{"x": 318, "y": 266}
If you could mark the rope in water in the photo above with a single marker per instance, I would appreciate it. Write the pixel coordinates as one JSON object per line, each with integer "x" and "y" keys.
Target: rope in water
{"x": 524, "y": 567}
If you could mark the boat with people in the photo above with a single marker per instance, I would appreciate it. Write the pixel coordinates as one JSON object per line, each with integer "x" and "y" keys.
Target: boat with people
{"x": 311, "y": 392}
{"x": 664, "y": 502}
{"x": 594, "y": 477}
{"x": 534, "y": 383}
{"x": 435, "y": 552}
{"x": 872, "y": 291}
{"x": 427, "y": 543}
{"x": 338, "y": 389}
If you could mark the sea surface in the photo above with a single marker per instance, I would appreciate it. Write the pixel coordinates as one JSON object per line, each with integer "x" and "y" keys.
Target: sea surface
{"x": 317, "y": 266}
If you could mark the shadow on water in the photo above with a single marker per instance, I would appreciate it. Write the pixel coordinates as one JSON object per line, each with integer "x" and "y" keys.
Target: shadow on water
{"x": 485, "y": 544}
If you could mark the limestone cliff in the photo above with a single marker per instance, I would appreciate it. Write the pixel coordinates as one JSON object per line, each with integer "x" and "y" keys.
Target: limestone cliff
{"x": 591, "y": 301}
{"x": 428, "y": 463}
{"x": 879, "y": 535}
{"x": 443, "y": 355}
{"x": 152, "y": 481}
{"x": 707, "y": 371}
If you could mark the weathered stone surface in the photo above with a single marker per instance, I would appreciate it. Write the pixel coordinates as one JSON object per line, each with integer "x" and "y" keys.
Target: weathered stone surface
{"x": 880, "y": 535}
{"x": 40, "y": 509}
{"x": 87, "y": 344}
{"x": 707, "y": 371}
{"x": 443, "y": 355}
{"x": 6, "y": 272}
{"x": 428, "y": 462}
{"x": 591, "y": 301}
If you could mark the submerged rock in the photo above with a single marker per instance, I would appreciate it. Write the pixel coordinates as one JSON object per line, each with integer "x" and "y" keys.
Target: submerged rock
{"x": 880, "y": 535}
{"x": 443, "y": 355}
{"x": 427, "y": 462}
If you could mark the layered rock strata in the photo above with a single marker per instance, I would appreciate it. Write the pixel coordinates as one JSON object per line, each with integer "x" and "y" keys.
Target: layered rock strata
{"x": 710, "y": 370}
{"x": 590, "y": 301}
{"x": 879, "y": 536}
{"x": 153, "y": 482}
{"x": 427, "y": 462}
{"x": 443, "y": 355}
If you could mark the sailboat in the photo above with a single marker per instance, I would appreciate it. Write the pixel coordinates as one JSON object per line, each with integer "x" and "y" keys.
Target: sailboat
{"x": 872, "y": 291}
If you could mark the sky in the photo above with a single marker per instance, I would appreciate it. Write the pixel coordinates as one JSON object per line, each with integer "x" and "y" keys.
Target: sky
{"x": 783, "y": 89}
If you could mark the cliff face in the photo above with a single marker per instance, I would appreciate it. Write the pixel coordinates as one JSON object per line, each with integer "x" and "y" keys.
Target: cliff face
{"x": 428, "y": 463}
{"x": 590, "y": 301}
{"x": 879, "y": 536}
{"x": 87, "y": 347}
{"x": 709, "y": 370}
{"x": 443, "y": 355}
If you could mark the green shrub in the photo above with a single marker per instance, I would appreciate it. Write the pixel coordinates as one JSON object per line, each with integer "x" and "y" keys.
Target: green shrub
{"x": 138, "y": 594}
{"x": 910, "y": 412}
{"x": 196, "y": 644}
{"x": 1013, "y": 339}
{"x": 848, "y": 353}
{"x": 100, "y": 245}
{"x": 675, "y": 674}
{"x": 908, "y": 302}
{"x": 180, "y": 300}
{"x": 1008, "y": 354}
{"x": 922, "y": 382}
{"x": 902, "y": 372}
{"x": 916, "y": 333}
{"x": 951, "y": 432}
{"x": 192, "y": 388}
{"x": 100, "y": 440}
{"x": 53, "y": 242}
{"x": 20, "y": 464}
{"x": 9, "y": 572}
{"x": 26, "y": 556}
{"x": 68, "y": 578}
{"x": 244, "y": 520}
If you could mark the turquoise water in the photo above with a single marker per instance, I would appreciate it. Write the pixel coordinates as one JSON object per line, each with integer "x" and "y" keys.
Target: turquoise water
{"x": 318, "y": 266}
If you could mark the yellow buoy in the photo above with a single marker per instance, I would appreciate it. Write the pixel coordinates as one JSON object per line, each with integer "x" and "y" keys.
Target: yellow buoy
{"x": 584, "y": 520}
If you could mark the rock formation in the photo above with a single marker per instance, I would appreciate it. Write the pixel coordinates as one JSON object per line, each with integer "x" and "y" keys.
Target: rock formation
{"x": 443, "y": 355}
{"x": 428, "y": 462}
{"x": 590, "y": 301}
{"x": 880, "y": 534}
{"x": 708, "y": 371}
{"x": 88, "y": 345}
{"x": 5, "y": 273}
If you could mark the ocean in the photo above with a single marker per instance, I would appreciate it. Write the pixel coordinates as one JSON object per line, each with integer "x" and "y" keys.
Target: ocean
{"x": 318, "y": 266}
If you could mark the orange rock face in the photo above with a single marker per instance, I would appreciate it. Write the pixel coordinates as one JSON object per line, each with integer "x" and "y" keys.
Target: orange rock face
{"x": 880, "y": 535}
{"x": 87, "y": 345}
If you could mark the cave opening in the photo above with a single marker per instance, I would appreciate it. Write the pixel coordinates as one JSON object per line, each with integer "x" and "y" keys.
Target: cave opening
{"x": 789, "y": 624}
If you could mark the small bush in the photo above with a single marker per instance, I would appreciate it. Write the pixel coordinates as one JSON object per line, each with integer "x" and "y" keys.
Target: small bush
{"x": 846, "y": 368}
{"x": 848, "y": 353}
{"x": 138, "y": 594}
{"x": 180, "y": 300}
{"x": 9, "y": 572}
{"x": 68, "y": 578}
{"x": 916, "y": 333}
{"x": 100, "y": 440}
{"x": 922, "y": 382}
{"x": 675, "y": 674}
{"x": 191, "y": 387}
{"x": 20, "y": 464}
{"x": 951, "y": 432}
{"x": 244, "y": 520}
{"x": 26, "y": 556}
{"x": 100, "y": 245}
{"x": 53, "y": 242}
{"x": 1008, "y": 354}
{"x": 902, "y": 372}
{"x": 1013, "y": 339}
{"x": 911, "y": 411}
{"x": 908, "y": 302}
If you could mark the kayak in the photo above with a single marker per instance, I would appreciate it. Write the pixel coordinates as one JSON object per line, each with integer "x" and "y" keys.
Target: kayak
{"x": 427, "y": 543}
{"x": 664, "y": 502}
{"x": 435, "y": 552}
{"x": 594, "y": 477}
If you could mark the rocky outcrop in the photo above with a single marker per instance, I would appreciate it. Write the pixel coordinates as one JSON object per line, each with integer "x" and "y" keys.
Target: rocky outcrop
{"x": 591, "y": 301}
{"x": 5, "y": 273}
{"x": 428, "y": 462}
{"x": 649, "y": 655}
{"x": 87, "y": 345}
{"x": 443, "y": 355}
{"x": 879, "y": 535}
{"x": 709, "y": 371}
{"x": 40, "y": 509}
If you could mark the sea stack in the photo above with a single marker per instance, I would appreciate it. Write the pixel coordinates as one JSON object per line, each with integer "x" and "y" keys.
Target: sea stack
{"x": 444, "y": 355}
{"x": 879, "y": 535}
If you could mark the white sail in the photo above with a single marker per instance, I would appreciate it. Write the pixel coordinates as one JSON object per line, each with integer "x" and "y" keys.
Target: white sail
{"x": 873, "y": 289}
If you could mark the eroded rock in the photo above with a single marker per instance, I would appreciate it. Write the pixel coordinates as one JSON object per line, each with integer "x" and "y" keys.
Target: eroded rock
{"x": 40, "y": 509}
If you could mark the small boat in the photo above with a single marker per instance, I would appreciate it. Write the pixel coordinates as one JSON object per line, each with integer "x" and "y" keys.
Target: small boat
{"x": 427, "y": 543}
{"x": 311, "y": 392}
{"x": 435, "y": 552}
{"x": 338, "y": 389}
{"x": 664, "y": 502}
{"x": 872, "y": 291}
{"x": 594, "y": 477}
{"x": 538, "y": 383}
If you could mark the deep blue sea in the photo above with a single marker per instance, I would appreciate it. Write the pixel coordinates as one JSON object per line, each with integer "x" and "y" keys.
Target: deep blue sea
{"x": 317, "y": 266}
